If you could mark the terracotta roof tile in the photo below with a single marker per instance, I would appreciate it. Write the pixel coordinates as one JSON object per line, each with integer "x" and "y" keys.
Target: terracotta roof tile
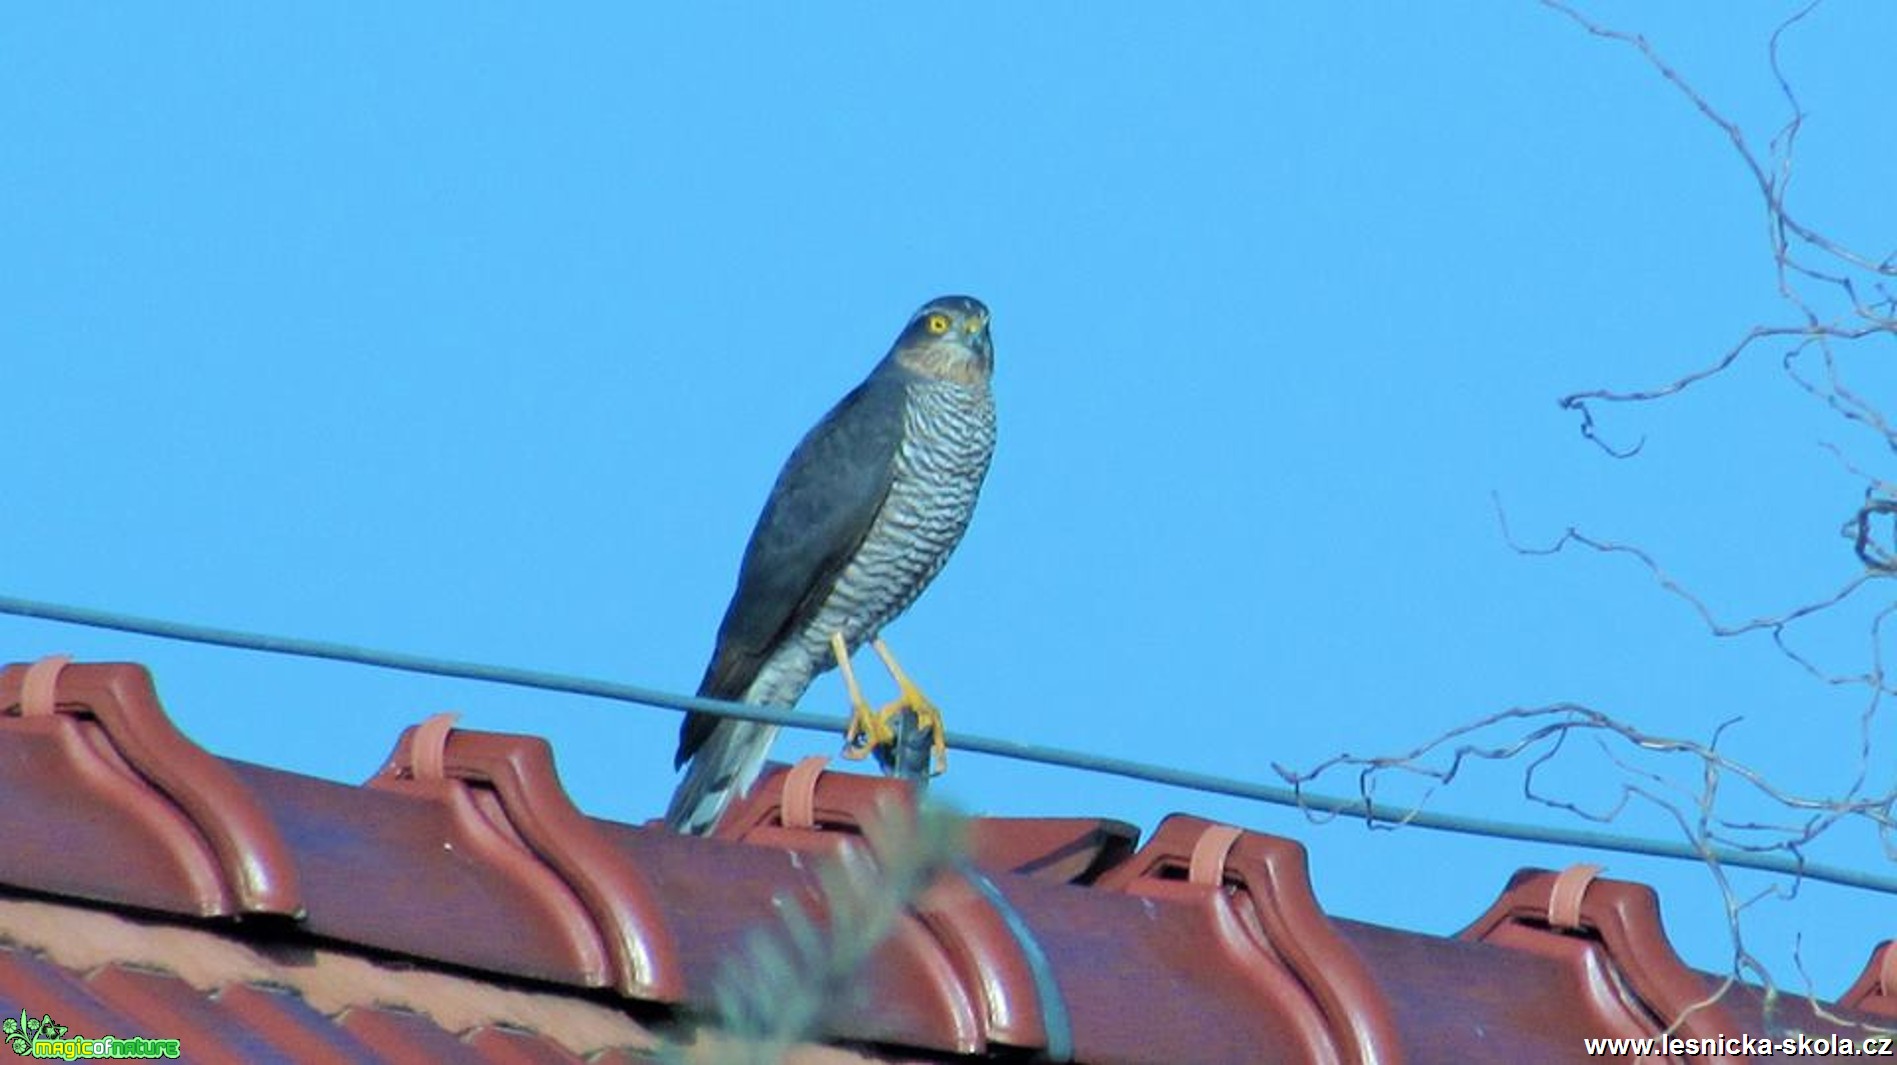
{"x": 511, "y": 781}
{"x": 518, "y": 1048}
{"x": 1607, "y": 936}
{"x": 36, "y": 987}
{"x": 400, "y": 1037}
{"x": 258, "y": 915}
{"x": 1267, "y": 921}
{"x": 410, "y": 872}
{"x": 1875, "y": 990}
{"x": 93, "y": 760}
{"x": 930, "y": 993}
{"x": 165, "y": 1004}
{"x": 287, "y": 1023}
{"x": 202, "y": 977}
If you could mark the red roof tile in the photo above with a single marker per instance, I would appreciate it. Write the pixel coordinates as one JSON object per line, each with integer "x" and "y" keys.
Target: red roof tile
{"x": 458, "y": 907}
{"x": 93, "y": 761}
{"x": 1876, "y": 989}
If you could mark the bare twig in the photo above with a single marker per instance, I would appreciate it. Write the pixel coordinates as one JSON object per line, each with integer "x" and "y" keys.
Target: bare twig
{"x": 1843, "y": 270}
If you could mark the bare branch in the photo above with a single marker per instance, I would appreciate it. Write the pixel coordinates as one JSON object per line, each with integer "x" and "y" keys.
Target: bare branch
{"x": 1838, "y": 298}
{"x": 1790, "y": 240}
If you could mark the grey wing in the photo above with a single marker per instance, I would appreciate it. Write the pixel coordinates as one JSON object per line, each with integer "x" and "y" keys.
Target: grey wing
{"x": 825, "y": 499}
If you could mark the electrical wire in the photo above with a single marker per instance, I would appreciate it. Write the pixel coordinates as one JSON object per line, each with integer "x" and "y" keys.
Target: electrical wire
{"x": 1147, "y": 772}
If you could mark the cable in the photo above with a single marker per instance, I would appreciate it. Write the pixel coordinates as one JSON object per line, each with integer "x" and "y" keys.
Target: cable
{"x": 1027, "y": 752}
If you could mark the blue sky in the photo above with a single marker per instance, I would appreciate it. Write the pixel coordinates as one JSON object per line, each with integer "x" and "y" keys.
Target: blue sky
{"x": 482, "y": 334}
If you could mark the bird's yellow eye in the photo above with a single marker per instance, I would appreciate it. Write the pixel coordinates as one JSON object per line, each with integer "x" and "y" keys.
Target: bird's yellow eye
{"x": 938, "y": 324}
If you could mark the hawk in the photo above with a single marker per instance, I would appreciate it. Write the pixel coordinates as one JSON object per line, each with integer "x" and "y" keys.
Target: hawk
{"x": 863, "y": 516}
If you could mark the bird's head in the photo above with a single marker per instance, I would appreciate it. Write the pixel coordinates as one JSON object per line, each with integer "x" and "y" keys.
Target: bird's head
{"x": 948, "y": 340}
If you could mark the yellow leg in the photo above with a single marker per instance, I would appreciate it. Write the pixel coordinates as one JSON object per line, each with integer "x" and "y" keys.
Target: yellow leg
{"x": 928, "y": 715}
{"x": 866, "y": 731}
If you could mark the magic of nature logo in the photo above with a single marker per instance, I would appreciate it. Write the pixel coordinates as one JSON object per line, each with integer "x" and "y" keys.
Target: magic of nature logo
{"x": 42, "y": 1037}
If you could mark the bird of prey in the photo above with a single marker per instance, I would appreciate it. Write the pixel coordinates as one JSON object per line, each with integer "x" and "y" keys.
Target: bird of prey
{"x": 863, "y": 515}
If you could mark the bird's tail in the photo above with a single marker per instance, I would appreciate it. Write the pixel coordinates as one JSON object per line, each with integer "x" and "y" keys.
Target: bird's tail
{"x": 721, "y": 770}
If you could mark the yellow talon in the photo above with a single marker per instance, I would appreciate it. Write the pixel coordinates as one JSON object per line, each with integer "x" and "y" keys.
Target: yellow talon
{"x": 928, "y": 715}
{"x": 867, "y": 729}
